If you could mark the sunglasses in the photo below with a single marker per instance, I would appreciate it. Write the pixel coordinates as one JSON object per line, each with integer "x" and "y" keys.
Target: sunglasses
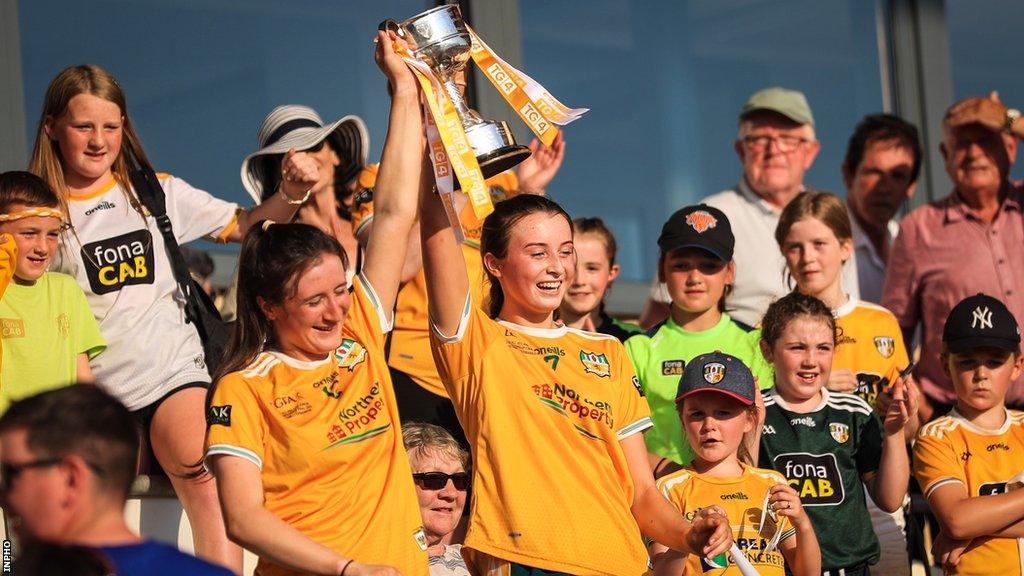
{"x": 438, "y": 480}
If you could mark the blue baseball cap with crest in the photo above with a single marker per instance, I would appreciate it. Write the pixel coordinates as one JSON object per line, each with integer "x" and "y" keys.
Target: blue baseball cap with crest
{"x": 718, "y": 372}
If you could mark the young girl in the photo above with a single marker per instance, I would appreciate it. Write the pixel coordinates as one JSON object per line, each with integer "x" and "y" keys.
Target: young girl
{"x": 42, "y": 313}
{"x": 583, "y": 305}
{"x": 717, "y": 407}
{"x": 554, "y": 415}
{"x": 697, "y": 267}
{"x": 154, "y": 362}
{"x": 815, "y": 237}
{"x": 830, "y": 446}
{"x": 304, "y": 438}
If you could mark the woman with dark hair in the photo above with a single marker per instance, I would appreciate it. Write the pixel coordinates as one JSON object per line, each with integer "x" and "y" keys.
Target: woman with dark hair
{"x": 553, "y": 414}
{"x": 339, "y": 148}
{"x": 304, "y": 438}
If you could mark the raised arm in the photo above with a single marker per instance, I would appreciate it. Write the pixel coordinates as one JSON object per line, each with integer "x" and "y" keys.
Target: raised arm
{"x": 443, "y": 265}
{"x": 395, "y": 193}
{"x": 888, "y": 488}
{"x": 708, "y": 535}
{"x": 255, "y": 528}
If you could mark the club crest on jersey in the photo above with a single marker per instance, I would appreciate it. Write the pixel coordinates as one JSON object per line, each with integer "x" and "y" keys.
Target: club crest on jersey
{"x": 350, "y": 354}
{"x": 840, "y": 432}
{"x": 714, "y": 372}
{"x": 885, "y": 346}
{"x": 701, "y": 221}
{"x": 595, "y": 364}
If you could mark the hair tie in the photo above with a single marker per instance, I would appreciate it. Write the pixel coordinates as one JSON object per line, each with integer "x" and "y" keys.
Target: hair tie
{"x": 268, "y": 224}
{"x": 41, "y": 211}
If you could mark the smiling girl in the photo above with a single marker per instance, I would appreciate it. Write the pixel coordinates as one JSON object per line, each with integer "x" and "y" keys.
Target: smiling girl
{"x": 596, "y": 269}
{"x": 696, "y": 264}
{"x": 815, "y": 236}
{"x": 829, "y": 445}
{"x": 554, "y": 415}
{"x": 154, "y": 362}
{"x": 717, "y": 402}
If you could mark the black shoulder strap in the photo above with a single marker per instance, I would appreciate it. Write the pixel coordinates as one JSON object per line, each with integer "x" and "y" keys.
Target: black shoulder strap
{"x": 151, "y": 195}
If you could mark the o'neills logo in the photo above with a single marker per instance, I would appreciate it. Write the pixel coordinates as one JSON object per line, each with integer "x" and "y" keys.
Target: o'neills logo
{"x": 734, "y": 496}
{"x": 101, "y": 206}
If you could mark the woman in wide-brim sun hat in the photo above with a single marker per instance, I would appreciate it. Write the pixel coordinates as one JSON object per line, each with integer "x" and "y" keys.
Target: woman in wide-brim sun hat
{"x": 339, "y": 147}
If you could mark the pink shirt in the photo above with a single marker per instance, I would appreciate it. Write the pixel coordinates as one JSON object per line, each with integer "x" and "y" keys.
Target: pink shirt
{"x": 943, "y": 254}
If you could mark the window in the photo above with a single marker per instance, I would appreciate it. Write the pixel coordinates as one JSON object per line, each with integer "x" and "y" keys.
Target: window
{"x": 665, "y": 80}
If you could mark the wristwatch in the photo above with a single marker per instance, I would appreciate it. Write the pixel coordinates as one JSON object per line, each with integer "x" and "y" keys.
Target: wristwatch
{"x": 1011, "y": 116}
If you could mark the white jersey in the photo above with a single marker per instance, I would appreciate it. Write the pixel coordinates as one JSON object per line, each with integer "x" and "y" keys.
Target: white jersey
{"x": 121, "y": 263}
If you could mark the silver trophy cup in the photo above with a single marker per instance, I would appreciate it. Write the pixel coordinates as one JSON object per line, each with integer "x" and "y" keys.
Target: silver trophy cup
{"x": 439, "y": 39}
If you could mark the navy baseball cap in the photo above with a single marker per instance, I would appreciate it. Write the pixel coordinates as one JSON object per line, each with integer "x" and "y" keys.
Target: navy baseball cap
{"x": 699, "y": 226}
{"x": 980, "y": 321}
{"x": 718, "y": 372}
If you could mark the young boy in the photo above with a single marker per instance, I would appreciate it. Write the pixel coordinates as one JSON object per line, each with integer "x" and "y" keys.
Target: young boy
{"x": 49, "y": 332}
{"x": 965, "y": 460}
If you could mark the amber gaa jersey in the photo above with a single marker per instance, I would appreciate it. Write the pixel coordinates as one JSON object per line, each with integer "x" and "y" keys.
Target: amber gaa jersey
{"x": 328, "y": 443}
{"x": 544, "y": 411}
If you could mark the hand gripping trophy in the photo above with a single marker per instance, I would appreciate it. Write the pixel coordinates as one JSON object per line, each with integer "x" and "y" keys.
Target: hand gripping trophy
{"x": 441, "y": 45}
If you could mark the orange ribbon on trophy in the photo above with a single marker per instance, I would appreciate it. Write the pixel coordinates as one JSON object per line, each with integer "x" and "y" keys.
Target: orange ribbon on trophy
{"x": 535, "y": 105}
{"x": 450, "y": 149}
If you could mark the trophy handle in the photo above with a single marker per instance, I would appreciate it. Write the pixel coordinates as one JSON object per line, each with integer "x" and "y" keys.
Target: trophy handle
{"x": 393, "y": 26}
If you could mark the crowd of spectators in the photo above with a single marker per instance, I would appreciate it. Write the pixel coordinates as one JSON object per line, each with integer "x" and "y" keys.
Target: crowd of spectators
{"x": 802, "y": 356}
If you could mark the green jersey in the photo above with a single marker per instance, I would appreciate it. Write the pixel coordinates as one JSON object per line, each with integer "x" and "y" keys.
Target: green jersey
{"x": 824, "y": 454}
{"x": 659, "y": 357}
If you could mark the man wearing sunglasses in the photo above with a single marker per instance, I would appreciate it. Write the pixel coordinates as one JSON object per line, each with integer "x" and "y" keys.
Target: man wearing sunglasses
{"x": 67, "y": 461}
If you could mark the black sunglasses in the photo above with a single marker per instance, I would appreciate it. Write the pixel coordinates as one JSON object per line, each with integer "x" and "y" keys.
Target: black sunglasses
{"x": 438, "y": 480}
{"x": 10, "y": 471}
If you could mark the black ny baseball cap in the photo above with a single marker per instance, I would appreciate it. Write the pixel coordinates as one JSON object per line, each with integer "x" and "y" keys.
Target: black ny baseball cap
{"x": 699, "y": 226}
{"x": 980, "y": 321}
{"x": 718, "y": 372}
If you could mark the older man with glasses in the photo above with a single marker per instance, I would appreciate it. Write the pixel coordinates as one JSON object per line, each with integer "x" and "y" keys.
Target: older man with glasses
{"x": 776, "y": 145}
{"x": 67, "y": 461}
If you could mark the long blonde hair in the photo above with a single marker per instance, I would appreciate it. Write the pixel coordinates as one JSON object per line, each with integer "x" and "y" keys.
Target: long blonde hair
{"x": 46, "y": 161}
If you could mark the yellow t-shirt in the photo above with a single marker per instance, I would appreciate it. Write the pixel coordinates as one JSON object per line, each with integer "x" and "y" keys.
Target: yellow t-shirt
{"x": 742, "y": 498}
{"x": 328, "y": 442}
{"x": 410, "y": 340}
{"x": 544, "y": 411}
{"x": 951, "y": 449}
{"x": 869, "y": 342}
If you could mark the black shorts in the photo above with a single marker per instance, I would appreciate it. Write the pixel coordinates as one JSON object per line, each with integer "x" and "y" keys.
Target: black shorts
{"x": 148, "y": 464}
